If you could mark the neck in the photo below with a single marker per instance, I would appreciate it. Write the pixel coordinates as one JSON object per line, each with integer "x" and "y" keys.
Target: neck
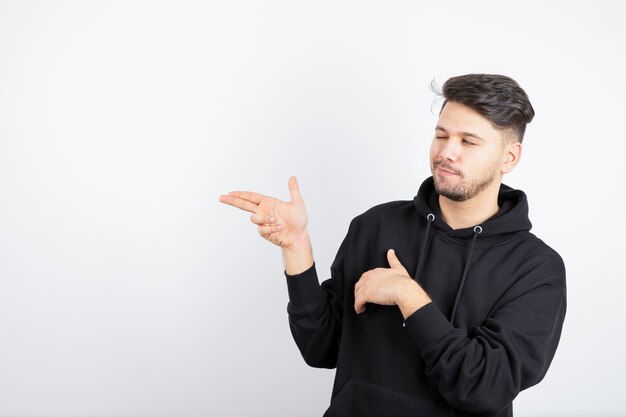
{"x": 472, "y": 212}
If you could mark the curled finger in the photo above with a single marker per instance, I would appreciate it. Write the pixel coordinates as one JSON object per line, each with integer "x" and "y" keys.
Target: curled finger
{"x": 268, "y": 229}
{"x": 359, "y": 306}
{"x": 261, "y": 219}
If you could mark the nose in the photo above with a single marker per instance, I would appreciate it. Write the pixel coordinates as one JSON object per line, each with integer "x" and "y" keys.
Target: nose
{"x": 450, "y": 150}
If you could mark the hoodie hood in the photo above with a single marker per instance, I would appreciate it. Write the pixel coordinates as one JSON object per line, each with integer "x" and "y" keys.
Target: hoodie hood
{"x": 511, "y": 218}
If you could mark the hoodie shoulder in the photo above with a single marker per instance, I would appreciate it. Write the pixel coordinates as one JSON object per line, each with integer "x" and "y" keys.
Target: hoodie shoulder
{"x": 385, "y": 211}
{"x": 537, "y": 262}
{"x": 383, "y": 219}
{"x": 542, "y": 250}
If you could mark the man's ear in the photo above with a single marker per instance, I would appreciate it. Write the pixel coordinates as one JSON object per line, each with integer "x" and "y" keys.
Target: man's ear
{"x": 512, "y": 156}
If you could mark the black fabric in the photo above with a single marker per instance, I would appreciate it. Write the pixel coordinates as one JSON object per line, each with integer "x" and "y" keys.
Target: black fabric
{"x": 507, "y": 326}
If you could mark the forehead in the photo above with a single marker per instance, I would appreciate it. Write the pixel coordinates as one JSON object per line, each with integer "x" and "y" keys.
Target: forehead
{"x": 457, "y": 118}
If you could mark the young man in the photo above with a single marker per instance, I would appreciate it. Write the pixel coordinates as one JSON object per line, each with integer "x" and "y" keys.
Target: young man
{"x": 445, "y": 305}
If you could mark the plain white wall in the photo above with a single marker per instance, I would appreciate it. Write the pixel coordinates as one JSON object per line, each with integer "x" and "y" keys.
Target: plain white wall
{"x": 127, "y": 289}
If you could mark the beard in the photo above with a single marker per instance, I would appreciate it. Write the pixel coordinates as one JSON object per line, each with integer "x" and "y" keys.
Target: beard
{"x": 463, "y": 188}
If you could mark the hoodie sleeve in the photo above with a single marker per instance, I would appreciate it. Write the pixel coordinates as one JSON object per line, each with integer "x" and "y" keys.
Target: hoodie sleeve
{"x": 315, "y": 313}
{"x": 512, "y": 349}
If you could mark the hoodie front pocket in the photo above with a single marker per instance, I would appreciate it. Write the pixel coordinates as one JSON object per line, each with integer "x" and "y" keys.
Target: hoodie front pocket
{"x": 358, "y": 398}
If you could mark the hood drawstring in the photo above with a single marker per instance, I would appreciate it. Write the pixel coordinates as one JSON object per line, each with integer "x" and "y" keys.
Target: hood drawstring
{"x": 477, "y": 230}
{"x": 430, "y": 219}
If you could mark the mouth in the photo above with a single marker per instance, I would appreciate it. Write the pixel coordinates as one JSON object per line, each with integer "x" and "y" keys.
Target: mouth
{"x": 446, "y": 171}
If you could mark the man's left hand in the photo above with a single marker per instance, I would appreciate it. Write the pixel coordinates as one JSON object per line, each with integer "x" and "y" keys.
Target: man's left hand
{"x": 389, "y": 286}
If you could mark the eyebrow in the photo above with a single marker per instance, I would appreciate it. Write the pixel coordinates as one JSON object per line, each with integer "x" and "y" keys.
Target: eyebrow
{"x": 473, "y": 135}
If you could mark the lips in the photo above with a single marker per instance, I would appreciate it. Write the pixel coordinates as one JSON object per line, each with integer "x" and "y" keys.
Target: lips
{"x": 443, "y": 169}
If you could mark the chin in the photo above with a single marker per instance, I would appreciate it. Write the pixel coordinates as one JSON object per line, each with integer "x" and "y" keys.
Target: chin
{"x": 454, "y": 196}
{"x": 451, "y": 193}
{"x": 453, "y": 190}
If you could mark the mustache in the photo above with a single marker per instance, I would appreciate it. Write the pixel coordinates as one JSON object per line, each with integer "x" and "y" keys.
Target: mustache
{"x": 443, "y": 164}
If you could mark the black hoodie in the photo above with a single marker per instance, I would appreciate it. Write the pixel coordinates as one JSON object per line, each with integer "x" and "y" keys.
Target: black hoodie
{"x": 491, "y": 331}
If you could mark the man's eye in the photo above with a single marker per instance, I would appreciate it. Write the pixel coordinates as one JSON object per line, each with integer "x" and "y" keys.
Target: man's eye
{"x": 468, "y": 142}
{"x": 441, "y": 137}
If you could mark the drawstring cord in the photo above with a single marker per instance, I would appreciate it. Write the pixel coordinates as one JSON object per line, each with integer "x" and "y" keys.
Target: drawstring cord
{"x": 430, "y": 219}
{"x": 477, "y": 230}
{"x": 420, "y": 264}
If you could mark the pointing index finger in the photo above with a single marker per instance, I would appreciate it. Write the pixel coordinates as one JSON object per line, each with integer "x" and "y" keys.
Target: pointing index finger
{"x": 248, "y": 195}
{"x": 240, "y": 203}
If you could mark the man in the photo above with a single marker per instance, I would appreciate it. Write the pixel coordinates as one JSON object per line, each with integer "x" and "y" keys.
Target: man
{"x": 445, "y": 305}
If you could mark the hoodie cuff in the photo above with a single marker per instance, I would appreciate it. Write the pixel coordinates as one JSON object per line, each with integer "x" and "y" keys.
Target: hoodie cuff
{"x": 428, "y": 325}
{"x": 304, "y": 288}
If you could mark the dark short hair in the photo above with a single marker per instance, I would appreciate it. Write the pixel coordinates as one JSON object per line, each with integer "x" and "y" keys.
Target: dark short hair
{"x": 497, "y": 97}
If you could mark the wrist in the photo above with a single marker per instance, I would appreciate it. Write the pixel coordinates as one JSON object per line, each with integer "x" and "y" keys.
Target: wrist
{"x": 410, "y": 297}
{"x": 298, "y": 257}
{"x": 302, "y": 242}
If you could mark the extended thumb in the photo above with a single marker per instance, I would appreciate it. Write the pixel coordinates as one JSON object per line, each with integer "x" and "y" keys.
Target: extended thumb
{"x": 394, "y": 262}
{"x": 294, "y": 189}
{"x": 393, "y": 259}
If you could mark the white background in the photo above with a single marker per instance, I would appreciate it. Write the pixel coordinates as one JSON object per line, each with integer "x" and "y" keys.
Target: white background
{"x": 127, "y": 289}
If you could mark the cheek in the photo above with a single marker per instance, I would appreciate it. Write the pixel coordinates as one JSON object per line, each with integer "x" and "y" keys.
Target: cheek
{"x": 486, "y": 161}
{"x": 433, "y": 151}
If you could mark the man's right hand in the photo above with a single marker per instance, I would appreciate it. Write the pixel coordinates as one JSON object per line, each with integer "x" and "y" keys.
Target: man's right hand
{"x": 282, "y": 223}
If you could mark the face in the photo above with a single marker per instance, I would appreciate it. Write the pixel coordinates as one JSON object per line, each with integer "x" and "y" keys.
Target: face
{"x": 467, "y": 154}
